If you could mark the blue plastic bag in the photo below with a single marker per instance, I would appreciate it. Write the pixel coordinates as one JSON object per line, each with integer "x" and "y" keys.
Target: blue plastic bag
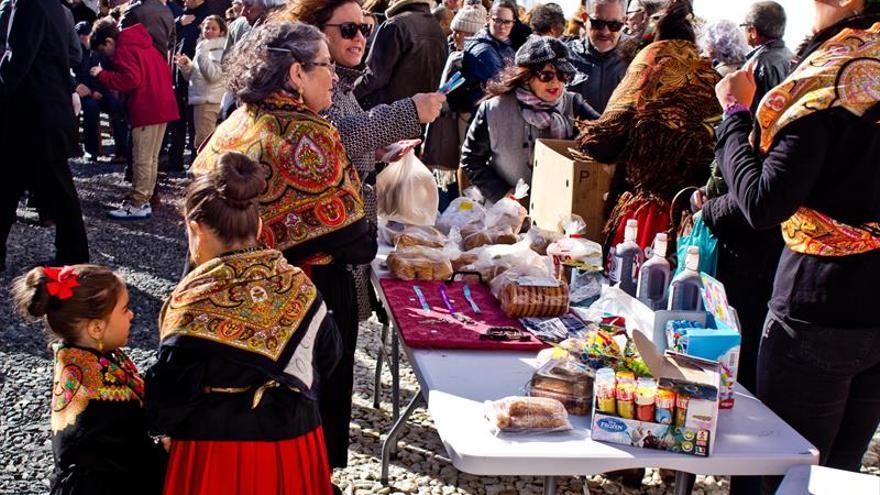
{"x": 704, "y": 239}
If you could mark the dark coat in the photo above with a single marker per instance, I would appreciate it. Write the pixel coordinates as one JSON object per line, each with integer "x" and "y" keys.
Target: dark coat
{"x": 36, "y": 109}
{"x": 772, "y": 63}
{"x": 598, "y": 74}
{"x": 156, "y": 17}
{"x": 188, "y": 36}
{"x": 484, "y": 57}
{"x": 407, "y": 57}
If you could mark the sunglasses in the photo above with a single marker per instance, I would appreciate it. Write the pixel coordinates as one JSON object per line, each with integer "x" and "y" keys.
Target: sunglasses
{"x": 349, "y": 30}
{"x": 546, "y": 76}
{"x": 600, "y": 24}
{"x": 503, "y": 22}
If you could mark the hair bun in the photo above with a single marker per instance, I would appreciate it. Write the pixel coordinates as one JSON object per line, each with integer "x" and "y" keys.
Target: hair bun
{"x": 30, "y": 294}
{"x": 240, "y": 180}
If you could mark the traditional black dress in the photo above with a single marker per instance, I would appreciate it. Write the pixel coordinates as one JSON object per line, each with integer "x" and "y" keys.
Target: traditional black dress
{"x": 99, "y": 431}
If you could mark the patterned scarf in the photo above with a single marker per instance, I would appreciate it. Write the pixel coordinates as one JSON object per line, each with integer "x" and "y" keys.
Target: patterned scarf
{"x": 83, "y": 375}
{"x": 313, "y": 189}
{"x": 543, "y": 114}
{"x": 252, "y": 307}
{"x": 843, "y": 72}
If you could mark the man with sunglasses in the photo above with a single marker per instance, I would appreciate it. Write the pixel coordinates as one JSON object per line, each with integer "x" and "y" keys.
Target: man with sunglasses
{"x": 407, "y": 56}
{"x": 599, "y": 67}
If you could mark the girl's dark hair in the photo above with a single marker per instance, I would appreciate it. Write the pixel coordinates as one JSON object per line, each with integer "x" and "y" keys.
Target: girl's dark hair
{"x": 103, "y": 29}
{"x": 225, "y": 199}
{"x": 505, "y": 4}
{"x": 509, "y": 79}
{"x": 376, "y": 6}
{"x": 677, "y": 22}
{"x": 94, "y": 298}
{"x": 220, "y": 22}
{"x": 317, "y": 12}
{"x": 259, "y": 64}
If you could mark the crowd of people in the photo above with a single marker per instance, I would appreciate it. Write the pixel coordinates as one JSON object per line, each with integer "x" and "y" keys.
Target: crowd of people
{"x": 289, "y": 110}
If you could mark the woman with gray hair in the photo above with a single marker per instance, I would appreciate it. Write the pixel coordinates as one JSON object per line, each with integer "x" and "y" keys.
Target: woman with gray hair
{"x": 312, "y": 209}
{"x": 724, "y": 42}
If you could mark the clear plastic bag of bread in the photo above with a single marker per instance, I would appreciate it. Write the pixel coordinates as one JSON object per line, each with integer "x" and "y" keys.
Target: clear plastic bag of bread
{"x": 464, "y": 210}
{"x": 509, "y": 213}
{"x": 527, "y": 415}
{"x": 418, "y": 235}
{"x": 530, "y": 292}
{"x": 574, "y": 249}
{"x": 540, "y": 239}
{"x": 494, "y": 260}
{"x": 406, "y": 192}
{"x": 420, "y": 263}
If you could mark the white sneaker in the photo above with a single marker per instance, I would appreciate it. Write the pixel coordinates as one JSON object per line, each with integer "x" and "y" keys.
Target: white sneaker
{"x": 131, "y": 212}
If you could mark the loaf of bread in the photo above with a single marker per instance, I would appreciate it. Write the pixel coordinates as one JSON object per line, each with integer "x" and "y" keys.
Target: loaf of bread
{"x": 419, "y": 263}
{"x": 416, "y": 235}
{"x": 528, "y": 413}
{"x": 520, "y": 301}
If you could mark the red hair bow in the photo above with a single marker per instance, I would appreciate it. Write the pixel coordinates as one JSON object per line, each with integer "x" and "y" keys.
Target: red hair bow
{"x": 64, "y": 279}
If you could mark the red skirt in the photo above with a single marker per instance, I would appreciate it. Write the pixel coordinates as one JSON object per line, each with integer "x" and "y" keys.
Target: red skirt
{"x": 296, "y": 466}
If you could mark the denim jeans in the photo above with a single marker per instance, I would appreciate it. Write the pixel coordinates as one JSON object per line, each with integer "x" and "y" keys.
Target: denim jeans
{"x": 825, "y": 383}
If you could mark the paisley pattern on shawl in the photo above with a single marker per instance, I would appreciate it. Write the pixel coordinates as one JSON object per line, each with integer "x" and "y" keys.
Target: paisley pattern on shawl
{"x": 251, "y": 306}
{"x": 312, "y": 187}
{"x": 844, "y": 72}
{"x": 83, "y": 375}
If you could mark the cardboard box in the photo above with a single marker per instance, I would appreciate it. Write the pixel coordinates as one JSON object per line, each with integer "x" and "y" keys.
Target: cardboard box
{"x": 699, "y": 379}
{"x": 722, "y": 345}
{"x": 564, "y": 184}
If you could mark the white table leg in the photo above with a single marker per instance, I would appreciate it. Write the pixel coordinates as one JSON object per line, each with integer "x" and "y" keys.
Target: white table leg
{"x": 390, "y": 442}
{"x": 684, "y": 483}
{"x": 549, "y": 485}
{"x": 380, "y": 359}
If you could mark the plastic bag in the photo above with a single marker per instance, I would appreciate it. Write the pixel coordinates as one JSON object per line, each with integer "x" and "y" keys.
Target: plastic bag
{"x": 406, "y": 192}
{"x": 702, "y": 237}
{"x": 508, "y": 213}
{"x": 616, "y": 302}
{"x": 527, "y": 414}
{"x": 420, "y": 263}
{"x": 540, "y": 239}
{"x": 495, "y": 260}
{"x": 530, "y": 291}
{"x": 417, "y": 235}
{"x": 464, "y": 210}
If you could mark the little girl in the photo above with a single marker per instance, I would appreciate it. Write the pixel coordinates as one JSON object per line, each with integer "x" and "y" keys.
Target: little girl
{"x": 205, "y": 77}
{"x": 99, "y": 435}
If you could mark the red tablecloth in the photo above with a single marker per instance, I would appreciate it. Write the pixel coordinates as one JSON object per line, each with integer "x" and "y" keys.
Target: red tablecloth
{"x": 419, "y": 331}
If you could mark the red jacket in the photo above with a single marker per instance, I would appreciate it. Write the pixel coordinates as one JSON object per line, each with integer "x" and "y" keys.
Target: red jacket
{"x": 143, "y": 76}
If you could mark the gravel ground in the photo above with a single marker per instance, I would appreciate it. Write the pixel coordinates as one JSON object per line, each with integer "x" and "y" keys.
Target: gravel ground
{"x": 149, "y": 255}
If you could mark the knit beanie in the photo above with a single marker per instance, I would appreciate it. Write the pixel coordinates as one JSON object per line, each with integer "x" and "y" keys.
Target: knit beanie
{"x": 471, "y": 18}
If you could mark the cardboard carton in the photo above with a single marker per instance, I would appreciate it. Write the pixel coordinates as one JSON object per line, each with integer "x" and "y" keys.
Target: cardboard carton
{"x": 563, "y": 183}
{"x": 698, "y": 379}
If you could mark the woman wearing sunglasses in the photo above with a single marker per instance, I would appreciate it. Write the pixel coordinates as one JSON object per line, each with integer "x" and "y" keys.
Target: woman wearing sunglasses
{"x": 528, "y": 101}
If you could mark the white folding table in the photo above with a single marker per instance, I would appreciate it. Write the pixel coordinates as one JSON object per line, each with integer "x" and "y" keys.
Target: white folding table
{"x": 751, "y": 439}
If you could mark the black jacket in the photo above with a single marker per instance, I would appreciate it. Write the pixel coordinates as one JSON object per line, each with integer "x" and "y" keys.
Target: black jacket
{"x": 826, "y": 161}
{"x": 156, "y": 17}
{"x": 36, "y": 109}
{"x": 407, "y": 57}
{"x": 188, "y": 36}
{"x": 772, "y": 65}
{"x": 598, "y": 74}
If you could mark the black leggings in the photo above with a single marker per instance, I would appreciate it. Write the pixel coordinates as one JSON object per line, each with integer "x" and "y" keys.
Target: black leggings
{"x": 825, "y": 383}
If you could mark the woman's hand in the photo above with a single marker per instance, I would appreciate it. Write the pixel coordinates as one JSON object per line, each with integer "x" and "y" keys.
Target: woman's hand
{"x": 428, "y": 106}
{"x": 181, "y": 60}
{"x": 737, "y": 88}
{"x": 698, "y": 199}
{"x": 399, "y": 150}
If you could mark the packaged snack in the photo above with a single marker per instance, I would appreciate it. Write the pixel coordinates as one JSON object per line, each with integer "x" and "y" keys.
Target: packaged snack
{"x": 646, "y": 395}
{"x": 540, "y": 239}
{"x": 419, "y": 263}
{"x": 417, "y": 235}
{"x": 625, "y": 394}
{"x": 464, "y": 210}
{"x": 474, "y": 235}
{"x": 565, "y": 381}
{"x": 388, "y": 230}
{"x": 529, "y": 292}
{"x": 527, "y": 414}
{"x": 495, "y": 260}
{"x": 555, "y": 329}
{"x": 508, "y": 212}
{"x": 664, "y": 407}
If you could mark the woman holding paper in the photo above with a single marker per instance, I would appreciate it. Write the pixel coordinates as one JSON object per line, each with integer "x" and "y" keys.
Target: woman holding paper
{"x": 807, "y": 162}
{"x": 528, "y": 102}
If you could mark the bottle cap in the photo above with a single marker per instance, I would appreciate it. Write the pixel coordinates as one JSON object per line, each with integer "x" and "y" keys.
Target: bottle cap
{"x": 632, "y": 230}
{"x": 660, "y": 244}
{"x": 692, "y": 262}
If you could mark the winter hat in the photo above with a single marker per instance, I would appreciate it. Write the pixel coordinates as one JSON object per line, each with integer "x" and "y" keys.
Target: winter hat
{"x": 83, "y": 28}
{"x": 539, "y": 50}
{"x": 471, "y": 18}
